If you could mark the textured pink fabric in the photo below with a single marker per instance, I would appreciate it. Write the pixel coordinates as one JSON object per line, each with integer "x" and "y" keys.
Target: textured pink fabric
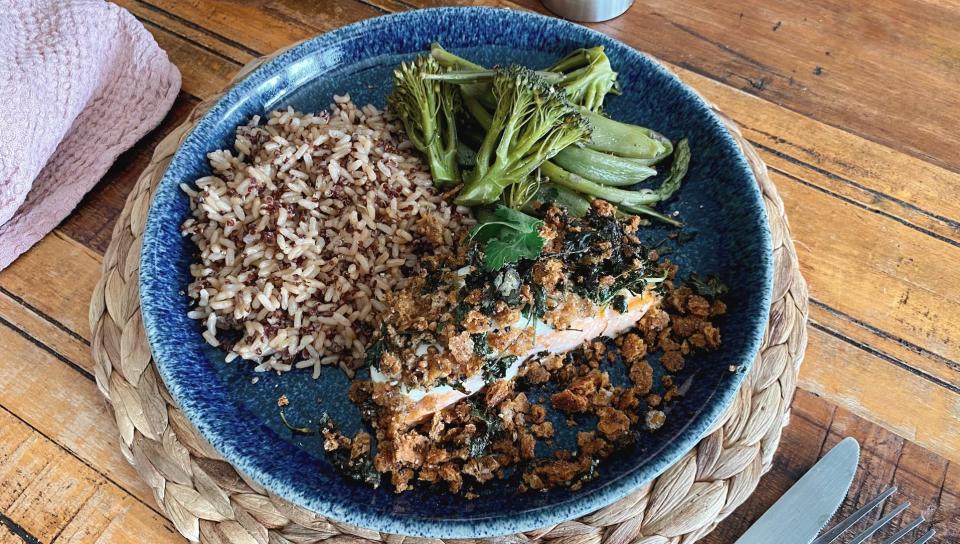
{"x": 80, "y": 82}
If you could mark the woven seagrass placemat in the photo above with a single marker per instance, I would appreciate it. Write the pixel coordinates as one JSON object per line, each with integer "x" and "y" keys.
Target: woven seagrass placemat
{"x": 209, "y": 501}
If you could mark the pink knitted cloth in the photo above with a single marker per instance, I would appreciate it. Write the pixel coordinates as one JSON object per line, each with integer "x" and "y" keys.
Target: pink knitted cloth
{"x": 80, "y": 82}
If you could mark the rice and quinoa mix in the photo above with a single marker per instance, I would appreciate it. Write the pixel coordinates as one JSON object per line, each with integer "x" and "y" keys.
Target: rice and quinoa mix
{"x": 304, "y": 230}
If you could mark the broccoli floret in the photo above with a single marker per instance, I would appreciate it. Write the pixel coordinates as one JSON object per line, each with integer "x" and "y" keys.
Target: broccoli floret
{"x": 427, "y": 108}
{"x": 532, "y": 122}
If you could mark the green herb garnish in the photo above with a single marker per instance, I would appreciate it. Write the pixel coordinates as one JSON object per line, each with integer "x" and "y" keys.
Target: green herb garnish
{"x": 456, "y": 386}
{"x": 711, "y": 286}
{"x": 497, "y": 370}
{"x": 377, "y": 349}
{"x": 507, "y": 237}
{"x": 480, "y": 346}
{"x": 363, "y": 471}
{"x": 539, "y": 305}
{"x": 481, "y": 441}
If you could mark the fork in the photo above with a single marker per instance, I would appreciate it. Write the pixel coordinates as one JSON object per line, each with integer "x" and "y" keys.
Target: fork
{"x": 837, "y": 531}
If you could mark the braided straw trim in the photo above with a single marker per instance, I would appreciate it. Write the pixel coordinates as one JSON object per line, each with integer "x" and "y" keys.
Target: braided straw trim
{"x": 210, "y": 502}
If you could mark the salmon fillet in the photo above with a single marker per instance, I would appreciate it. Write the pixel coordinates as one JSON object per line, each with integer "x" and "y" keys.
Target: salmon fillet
{"x": 605, "y": 322}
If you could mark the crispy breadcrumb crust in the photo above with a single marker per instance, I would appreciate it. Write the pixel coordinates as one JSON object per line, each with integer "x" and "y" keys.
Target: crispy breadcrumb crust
{"x": 496, "y": 433}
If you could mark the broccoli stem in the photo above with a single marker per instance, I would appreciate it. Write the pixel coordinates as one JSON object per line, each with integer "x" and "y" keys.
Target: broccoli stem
{"x": 480, "y": 113}
{"x": 444, "y": 165}
{"x": 532, "y": 122}
{"x": 427, "y": 109}
{"x": 467, "y": 77}
{"x": 449, "y": 60}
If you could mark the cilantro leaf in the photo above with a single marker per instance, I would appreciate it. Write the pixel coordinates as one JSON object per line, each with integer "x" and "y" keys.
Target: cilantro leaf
{"x": 507, "y": 237}
{"x": 511, "y": 248}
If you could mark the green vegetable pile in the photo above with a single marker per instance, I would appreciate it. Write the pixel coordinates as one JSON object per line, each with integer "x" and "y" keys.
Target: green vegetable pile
{"x": 512, "y": 136}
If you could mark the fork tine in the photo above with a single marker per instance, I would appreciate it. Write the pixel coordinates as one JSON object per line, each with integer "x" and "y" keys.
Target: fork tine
{"x": 840, "y": 528}
{"x": 859, "y": 539}
{"x": 904, "y": 531}
{"x": 929, "y": 534}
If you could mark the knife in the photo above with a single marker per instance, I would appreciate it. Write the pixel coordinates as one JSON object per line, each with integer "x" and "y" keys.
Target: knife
{"x": 807, "y": 506}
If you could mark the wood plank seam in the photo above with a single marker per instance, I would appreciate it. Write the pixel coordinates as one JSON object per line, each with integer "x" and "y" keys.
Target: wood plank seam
{"x": 865, "y": 207}
{"x": 40, "y": 344}
{"x": 884, "y": 356}
{"x": 953, "y": 365}
{"x": 18, "y": 530}
{"x": 199, "y": 28}
{"x": 724, "y": 47}
{"x": 823, "y": 442}
{"x": 49, "y": 319}
{"x": 149, "y": 23}
{"x": 943, "y": 485}
{"x": 68, "y": 522}
{"x": 953, "y": 223}
{"x": 82, "y": 461}
{"x": 80, "y": 247}
{"x": 893, "y": 478}
{"x": 374, "y": 6}
{"x": 901, "y": 469}
{"x": 236, "y": 64}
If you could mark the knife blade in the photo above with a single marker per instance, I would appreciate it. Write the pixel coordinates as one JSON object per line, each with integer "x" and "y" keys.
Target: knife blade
{"x": 807, "y": 506}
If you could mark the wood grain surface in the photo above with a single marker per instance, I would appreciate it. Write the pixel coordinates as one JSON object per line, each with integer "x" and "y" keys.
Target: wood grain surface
{"x": 854, "y": 109}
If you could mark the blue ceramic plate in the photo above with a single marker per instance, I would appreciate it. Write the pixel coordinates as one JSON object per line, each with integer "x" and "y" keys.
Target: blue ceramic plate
{"x": 719, "y": 200}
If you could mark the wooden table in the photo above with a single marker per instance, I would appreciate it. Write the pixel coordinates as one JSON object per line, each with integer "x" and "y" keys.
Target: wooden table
{"x": 854, "y": 109}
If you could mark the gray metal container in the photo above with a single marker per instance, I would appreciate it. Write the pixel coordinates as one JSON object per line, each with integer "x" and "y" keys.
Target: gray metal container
{"x": 588, "y": 11}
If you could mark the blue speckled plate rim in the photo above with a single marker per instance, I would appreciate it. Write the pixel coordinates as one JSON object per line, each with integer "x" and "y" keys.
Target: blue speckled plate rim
{"x": 509, "y": 522}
